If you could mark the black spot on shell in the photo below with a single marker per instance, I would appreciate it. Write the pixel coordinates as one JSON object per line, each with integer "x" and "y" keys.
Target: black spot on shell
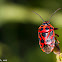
{"x": 46, "y": 28}
{"x": 41, "y": 29}
{"x": 39, "y": 39}
{"x": 45, "y": 45}
{"x": 41, "y": 45}
{"x": 41, "y": 26}
{"x": 43, "y": 34}
{"x": 51, "y": 28}
{"x": 42, "y": 41}
{"x": 51, "y": 33}
{"x": 40, "y": 36}
{"x": 48, "y": 25}
{"x": 39, "y": 33}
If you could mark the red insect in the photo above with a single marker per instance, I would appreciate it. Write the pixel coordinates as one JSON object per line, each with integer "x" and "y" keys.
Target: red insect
{"x": 47, "y": 37}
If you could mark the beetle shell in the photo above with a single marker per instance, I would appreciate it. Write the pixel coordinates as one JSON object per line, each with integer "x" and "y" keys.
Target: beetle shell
{"x": 46, "y": 37}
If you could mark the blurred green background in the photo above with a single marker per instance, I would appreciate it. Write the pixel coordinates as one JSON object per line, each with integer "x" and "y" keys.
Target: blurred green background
{"x": 19, "y": 29}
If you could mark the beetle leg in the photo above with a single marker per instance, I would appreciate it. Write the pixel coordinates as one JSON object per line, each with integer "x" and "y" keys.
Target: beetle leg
{"x": 57, "y": 35}
{"x": 55, "y": 28}
{"x": 57, "y": 40}
{"x": 56, "y": 49}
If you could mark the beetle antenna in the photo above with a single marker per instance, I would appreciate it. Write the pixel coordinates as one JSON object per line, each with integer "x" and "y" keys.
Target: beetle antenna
{"x": 38, "y": 15}
{"x": 54, "y": 13}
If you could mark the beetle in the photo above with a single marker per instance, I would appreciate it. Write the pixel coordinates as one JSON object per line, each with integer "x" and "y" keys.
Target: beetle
{"x": 46, "y": 35}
